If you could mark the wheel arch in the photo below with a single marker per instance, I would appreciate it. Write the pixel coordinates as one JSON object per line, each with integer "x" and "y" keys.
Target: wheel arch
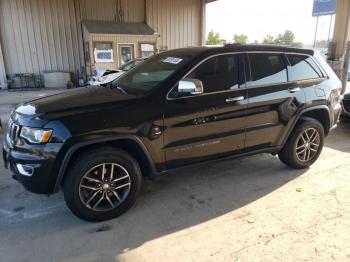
{"x": 320, "y": 113}
{"x": 129, "y": 143}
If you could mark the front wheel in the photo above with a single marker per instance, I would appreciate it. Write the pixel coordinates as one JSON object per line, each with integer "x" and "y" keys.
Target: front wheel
{"x": 304, "y": 145}
{"x": 102, "y": 184}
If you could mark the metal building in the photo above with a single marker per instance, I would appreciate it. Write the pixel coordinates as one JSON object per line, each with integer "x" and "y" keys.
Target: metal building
{"x": 47, "y": 35}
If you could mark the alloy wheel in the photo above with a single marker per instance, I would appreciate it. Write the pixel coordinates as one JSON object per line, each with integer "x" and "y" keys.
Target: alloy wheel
{"x": 104, "y": 187}
{"x": 308, "y": 144}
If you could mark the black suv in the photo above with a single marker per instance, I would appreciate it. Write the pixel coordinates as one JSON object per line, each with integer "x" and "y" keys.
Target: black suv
{"x": 177, "y": 108}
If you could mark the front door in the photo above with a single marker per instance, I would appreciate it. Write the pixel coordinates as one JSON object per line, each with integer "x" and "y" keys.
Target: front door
{"x": 208, "y": 125}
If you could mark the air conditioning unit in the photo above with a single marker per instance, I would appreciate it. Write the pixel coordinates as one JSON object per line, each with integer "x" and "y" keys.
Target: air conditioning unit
{"x": 56, "y": 79}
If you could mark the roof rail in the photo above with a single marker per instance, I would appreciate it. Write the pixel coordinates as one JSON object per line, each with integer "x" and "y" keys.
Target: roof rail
{"x": 234, "y": 44}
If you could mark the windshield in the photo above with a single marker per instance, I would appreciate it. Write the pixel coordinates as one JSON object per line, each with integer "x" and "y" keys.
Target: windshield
{"x": 150, "y": 73}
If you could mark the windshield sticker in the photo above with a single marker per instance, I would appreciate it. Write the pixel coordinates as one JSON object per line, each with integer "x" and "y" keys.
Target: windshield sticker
{"x": 172, "y": 60}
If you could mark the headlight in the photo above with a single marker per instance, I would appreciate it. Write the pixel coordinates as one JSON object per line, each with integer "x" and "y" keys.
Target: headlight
{"x": 101, "y": 78}
{"x": 36, "y": 135}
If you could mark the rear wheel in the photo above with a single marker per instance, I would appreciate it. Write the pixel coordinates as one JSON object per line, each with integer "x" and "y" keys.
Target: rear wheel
{"x": 102, "y": 184}
{"x": 304, "y": 145}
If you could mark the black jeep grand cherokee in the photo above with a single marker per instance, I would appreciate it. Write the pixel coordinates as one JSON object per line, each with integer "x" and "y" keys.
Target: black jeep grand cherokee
{"x": 177, "y": 108}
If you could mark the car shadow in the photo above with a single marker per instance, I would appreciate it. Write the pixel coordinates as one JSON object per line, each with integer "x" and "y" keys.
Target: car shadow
{"x": 174, "y": 202}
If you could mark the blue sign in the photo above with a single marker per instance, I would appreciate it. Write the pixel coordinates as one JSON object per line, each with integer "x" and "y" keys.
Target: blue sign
{"x": 324, "y": 7}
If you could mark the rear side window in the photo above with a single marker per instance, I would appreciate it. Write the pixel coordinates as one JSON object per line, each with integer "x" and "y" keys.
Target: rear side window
{"x": 267, "y": 69}
{"x": 303, "y": 68}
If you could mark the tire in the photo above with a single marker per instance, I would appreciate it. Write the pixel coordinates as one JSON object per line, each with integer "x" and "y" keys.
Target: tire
{"x": 292, "y": 153}
{"x": 108, "y": 173}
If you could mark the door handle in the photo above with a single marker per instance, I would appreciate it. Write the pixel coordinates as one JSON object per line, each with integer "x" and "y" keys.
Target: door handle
{"x": 234, "y": 99}
{"x": 294, "y": 89}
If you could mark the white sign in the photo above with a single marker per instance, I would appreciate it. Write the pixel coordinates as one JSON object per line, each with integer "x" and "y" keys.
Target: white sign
{"x": 172, "y": 60}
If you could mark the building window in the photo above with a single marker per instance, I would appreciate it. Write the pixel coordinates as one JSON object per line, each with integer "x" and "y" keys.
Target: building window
{"x": 147, "y": 49}
{"x": 125, "y": 53}
{"x": 103, "y": 52}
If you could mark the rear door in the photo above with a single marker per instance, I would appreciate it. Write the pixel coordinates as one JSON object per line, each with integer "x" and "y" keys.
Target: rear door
{"x": 272, "y": 100}
{"x": 212, "y": 124}
{"x": 305, "y": 72}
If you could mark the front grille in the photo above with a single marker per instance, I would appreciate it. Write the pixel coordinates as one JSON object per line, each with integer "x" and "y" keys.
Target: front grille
{"x": 13, "y": 132}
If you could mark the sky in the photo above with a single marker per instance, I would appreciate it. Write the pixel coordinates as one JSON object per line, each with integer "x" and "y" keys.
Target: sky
{"x": 257, "y": 18}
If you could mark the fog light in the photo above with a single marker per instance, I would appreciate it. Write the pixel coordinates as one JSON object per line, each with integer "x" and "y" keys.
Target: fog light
{"x": 25, "y": 170}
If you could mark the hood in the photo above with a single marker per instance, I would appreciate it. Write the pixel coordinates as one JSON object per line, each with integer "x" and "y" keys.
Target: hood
{"x": 84, "y": 98}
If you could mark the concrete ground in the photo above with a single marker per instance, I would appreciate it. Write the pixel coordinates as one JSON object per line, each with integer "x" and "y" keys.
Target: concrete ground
{"x": 249, "y": 209}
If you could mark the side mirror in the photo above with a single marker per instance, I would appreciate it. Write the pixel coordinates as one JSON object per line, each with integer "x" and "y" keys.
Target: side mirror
{"x": 192, "y": 86}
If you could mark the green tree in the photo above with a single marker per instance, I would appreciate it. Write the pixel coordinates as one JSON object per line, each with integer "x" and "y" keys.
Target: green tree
{"x": 213, "y": 38}
{"x": 298, "y": 44}
{"x": 240, "y": 39}
{"x": 287, "y": 38}
{"x": 268, "y": 39}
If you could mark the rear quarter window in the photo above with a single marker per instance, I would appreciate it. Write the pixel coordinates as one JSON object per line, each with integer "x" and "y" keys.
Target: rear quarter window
{"x": 303, "y": 68}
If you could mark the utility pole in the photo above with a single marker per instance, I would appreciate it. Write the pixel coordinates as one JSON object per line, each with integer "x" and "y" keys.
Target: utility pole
{"x": 315, "y": 38}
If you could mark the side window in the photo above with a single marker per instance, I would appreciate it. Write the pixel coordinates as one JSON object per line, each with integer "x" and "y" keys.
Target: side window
{"x": 303, "y": 68}
{"x": 218, "y": 73}
{"x": 267, "y": 69}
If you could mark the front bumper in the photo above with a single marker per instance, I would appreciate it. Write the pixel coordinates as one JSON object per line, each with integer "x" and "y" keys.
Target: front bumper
{"x": 32, "y": 165}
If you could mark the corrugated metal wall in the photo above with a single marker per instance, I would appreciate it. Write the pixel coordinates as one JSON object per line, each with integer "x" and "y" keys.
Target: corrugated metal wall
{"x": 177, "y": 21}
{"x": 133, "y": 10}
{"x": 38, "y": 35}
{"x": 105, "y": 10}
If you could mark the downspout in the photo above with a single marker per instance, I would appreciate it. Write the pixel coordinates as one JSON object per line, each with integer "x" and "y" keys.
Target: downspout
{"x": 115, "y": 10}
{"x": 79, "y": 13}
{"x": 3, "y": 83}
{"x": 118, "y": 11}
{"x": 145, "y": 11}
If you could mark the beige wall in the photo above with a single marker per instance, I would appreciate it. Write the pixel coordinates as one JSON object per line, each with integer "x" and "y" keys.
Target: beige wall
{"x": 40, "y": 35}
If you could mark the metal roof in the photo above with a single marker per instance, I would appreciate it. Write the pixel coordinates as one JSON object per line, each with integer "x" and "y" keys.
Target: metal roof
{"x": 106, "y": 27}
